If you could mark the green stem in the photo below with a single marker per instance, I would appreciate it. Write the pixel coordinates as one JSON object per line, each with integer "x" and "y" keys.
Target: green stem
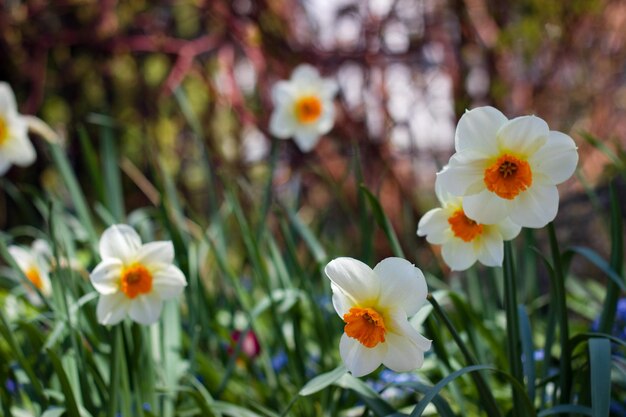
{"x": 617, "y": 249}
{"x": 512, "y": 322}
{"x": 489, "y": 402}
{"x": 565, "y": 379}
{"x": 114, "y": 375}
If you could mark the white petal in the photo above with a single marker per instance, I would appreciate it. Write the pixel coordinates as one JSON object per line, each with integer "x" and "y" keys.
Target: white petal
{"x": 18, "y": 149}
{"x": 402, "y": 285}
{"x": 306, "y": 139}
{"x": 434, "y": 225}
{"x": 46, "y": 285}
{"x": 491, "y": 251}
{"x": 477, "y": 129}
{"x": 7, "y": 99}
{"x": 112, "y": 308}
{"x": 329, "y": 88}
{"x": 557, "y": 159}
{"x": 282, "y": 123}
{"x": 523, "y": 135}
{"x": 168, "y": 282}
{"x": 106, "y": 276}
{"x": 464, "y": 175}
{"x": 119, "y": 241}
{"x": 282, "y": 93}
{"x": 397, "y": 323}
{"x": 41, "y": 248}
{"x": 536, "y": 207}
{"x": 356, "y": 280}
{"x": 23, "y": 258}
{"x": 327, "y": 118}
{"x": 458, "y": 254}
{"x": 304, "y": 74}
{"x": 4, "y": 165}
{"x": 145, "y": 309}
{"x": 159, "y": 252}
{"x": 403, "y": 355}
{"x": 486, "y": 207}
{"x": 444, "y": 196}
{"x": 509, "y": 229}
{"x": 341, "y": 302}
{"x": 361, "y": 360}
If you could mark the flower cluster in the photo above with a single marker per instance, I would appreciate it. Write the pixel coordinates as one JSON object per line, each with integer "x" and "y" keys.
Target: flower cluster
{"x": 502, "y": 177}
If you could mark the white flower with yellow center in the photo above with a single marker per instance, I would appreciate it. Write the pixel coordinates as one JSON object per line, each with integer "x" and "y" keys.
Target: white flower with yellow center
{"x": 34, "y": 264}
{"x": 303, "y": 107}
{"x": 134, "y": 278}
{"x": 375, "y": 305}
{"x": 508, "y": 168}
{"x": 463, "y": 240}
{"x": 15, "y": 147}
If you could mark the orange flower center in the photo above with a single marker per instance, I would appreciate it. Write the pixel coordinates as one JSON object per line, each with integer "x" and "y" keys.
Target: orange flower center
{"x": 33, "y": 276}
{"x": 4, "y": 130}
{"x": 136, "y": 279}
{"x": 308, "y": 109}
{"x": 463, "y": 227}
{"x": 508, "y": 176}
{"x": 365, "y": 325}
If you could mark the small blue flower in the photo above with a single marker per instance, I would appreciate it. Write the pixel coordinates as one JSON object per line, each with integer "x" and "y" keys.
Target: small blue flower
{"x": 11, "y": 386}
{"x": 146, "y": 407}
{"x": 279, "y": 361}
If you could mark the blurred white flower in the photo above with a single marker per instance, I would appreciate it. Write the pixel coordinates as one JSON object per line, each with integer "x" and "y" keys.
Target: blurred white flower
{"x": 463, "y": 240}
{"x": 508, "y": 168}
{"x": 15, "y": 147}
{"x": 34, "y": 263}
{"x": 134, "y": 278}
{"x": 375, "y": 305}
{"x": 303, "y": 107}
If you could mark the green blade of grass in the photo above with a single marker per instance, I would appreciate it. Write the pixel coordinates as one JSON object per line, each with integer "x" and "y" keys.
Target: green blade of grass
{"x": 528, "y": 350}
{"x": 489, "y": 402}
{"x": 512, "y": 323}
{"x": 322, "y": 381}
{"x": 383, "y": 222}
{"x": 565, "y": 362}
{"x": 77, "y": 196}
{"x": 430, "y": 395}
{"x": 607, "y": 317}
{"x": 600, "y": 365}
{"x": 70, "y": 397}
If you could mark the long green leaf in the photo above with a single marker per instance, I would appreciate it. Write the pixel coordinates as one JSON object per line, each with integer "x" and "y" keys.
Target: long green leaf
{"x": 383, "y": 222}
{"x": 378, "y": 405}
{"x": 70, "y": 400}
{"x": 430, "y": 395}
{"x": 322, "y": 381}
{"x": 600, "y": 364}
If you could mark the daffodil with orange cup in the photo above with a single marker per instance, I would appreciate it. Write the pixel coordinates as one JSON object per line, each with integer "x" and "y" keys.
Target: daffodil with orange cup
{"x": 303, "y": 107}
{"x": 34, "y": 264}
{"x": 134, "y": 278}
{"x": 508, "y": 168}
{"x": 463, "y": 240}
{"x": 375, "y": 306}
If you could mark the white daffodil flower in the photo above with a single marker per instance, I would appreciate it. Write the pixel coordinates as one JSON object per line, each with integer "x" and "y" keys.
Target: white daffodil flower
{"x": 15, "y": 147}
{"x": 303, "y": 107}
{"x": 35, "y": 265}
{"x": 375, "y": 305}
{"x": 508, "y": 168}
{"x": 463, "y": 240}
{"x": 134, "y": 278}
